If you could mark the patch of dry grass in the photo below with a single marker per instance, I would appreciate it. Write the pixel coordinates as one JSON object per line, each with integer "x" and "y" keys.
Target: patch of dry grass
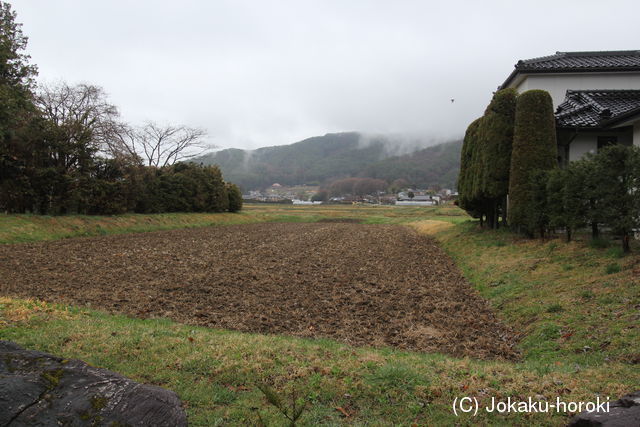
{"x": 430, "y": 227}
{"x": 31, "y": 228}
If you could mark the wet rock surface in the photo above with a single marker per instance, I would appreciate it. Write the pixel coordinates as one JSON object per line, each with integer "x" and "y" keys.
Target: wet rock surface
{"x": 624, "y": 412}
{"x": 38, "y": 389}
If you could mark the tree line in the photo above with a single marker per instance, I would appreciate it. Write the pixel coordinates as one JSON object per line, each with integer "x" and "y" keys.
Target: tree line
{"x": 510, "y": 175}
{"x": 63, "y": 149}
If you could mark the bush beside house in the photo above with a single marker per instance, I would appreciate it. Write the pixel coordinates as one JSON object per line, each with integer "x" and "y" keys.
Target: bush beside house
{"x": 600, "y": 190}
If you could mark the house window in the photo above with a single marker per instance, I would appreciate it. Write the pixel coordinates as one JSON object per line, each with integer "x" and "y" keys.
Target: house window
{"x": 605, "y": 141}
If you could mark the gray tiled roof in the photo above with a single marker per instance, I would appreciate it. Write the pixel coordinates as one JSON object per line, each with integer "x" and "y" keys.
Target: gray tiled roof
{"x": 574, "y": 62}
{"x": 583, "y": 61}
{"x": 597, "y": 108}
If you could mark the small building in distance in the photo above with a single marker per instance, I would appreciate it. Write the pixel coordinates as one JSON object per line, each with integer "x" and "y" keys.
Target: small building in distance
{"x": 420, "y": 200}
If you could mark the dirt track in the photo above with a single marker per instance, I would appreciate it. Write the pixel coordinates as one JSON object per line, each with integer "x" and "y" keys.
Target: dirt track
{"x": 361, "y": 284}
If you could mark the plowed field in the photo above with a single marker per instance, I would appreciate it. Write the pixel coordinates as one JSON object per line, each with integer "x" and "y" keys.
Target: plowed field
{"x": 372, "y": 285}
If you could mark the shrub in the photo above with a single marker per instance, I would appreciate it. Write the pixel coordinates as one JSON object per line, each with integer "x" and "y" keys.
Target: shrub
{"x": 566, "y": 201}
{"x": 235, "y": 197}
{"x": 187, "y": 187}
{"x": 617, "y": 169}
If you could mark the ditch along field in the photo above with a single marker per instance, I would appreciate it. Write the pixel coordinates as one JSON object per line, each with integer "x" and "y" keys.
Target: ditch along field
{"x": 367, "y": 323}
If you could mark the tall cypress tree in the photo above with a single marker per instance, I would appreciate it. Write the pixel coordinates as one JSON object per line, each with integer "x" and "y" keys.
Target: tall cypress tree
{"x": 534, "y": 149}
{"x": 467, "y": 175}
{"x": 496, "y": 132}
{"x": 17, "y": 115}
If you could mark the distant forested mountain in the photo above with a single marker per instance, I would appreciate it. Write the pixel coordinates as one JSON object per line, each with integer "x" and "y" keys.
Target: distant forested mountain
{"x": 319, "y": 160}
{"x": 436, "y": 165}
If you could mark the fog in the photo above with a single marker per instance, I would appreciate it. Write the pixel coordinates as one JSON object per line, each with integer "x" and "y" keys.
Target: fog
{"x": 258, "y": 73}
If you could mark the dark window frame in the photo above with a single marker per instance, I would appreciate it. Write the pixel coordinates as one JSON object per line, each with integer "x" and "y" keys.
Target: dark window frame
{"x": 606, "y": 140}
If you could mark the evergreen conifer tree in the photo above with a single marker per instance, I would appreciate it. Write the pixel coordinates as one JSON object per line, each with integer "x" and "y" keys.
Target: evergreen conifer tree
{"x": 496, "y": 132}
{"x": 534, "y": 149}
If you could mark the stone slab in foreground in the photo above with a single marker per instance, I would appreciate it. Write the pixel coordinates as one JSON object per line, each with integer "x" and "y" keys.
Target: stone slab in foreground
{"x": 40, "y": 389}
{"x": 624, "y": 412}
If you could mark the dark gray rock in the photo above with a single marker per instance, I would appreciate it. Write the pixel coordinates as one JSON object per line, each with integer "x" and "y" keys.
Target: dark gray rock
{"x": 38, "y": 389}
{"x": 624, "y": 412}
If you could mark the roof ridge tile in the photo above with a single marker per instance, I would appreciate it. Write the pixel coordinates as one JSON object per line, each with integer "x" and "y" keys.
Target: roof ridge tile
{"x": 575, "y": 62}
{"x": 585, "y": 108}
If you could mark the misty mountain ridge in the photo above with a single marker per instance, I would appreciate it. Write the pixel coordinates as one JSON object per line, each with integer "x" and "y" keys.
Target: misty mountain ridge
{"x": 321, "y": 159}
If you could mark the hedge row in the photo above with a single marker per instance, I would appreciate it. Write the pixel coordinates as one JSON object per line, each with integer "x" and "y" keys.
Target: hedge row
{"x": 512, "y": 150}
{"x": 113, "y": 187}
{"x": 600, "y": 190}
{"x": 486, "y": 159}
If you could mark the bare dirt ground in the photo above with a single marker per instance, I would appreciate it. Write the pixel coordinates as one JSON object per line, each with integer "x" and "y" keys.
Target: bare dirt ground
{"x": 375, "y": 285}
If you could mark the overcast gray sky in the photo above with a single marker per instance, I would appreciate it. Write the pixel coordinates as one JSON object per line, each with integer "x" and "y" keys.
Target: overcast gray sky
{"x": 261, "y": 72}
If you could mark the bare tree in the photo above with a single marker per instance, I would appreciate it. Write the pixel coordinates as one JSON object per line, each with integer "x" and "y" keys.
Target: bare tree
{"x": 81, "y": 111}
{"x": 157, "y": 145}
{"x": 85, "y": 117}
{"x": 122, "y": 142}
{"x": 162, "y": 145}
{"x": 79, "y": 121}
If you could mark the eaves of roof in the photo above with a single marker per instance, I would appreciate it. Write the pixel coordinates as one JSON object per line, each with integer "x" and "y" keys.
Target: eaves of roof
{"x": 577, "y": 62}
{"x": 598, "y": 109}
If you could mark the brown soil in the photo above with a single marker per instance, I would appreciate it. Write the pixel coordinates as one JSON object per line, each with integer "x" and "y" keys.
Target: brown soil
{"x": 372, "y": 285}
{"x": 341, "y": 220}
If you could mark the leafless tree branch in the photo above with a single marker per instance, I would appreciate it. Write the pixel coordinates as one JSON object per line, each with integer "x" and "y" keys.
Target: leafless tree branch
{"x": 86, "y": 116}
{"x": 163, "y": 145}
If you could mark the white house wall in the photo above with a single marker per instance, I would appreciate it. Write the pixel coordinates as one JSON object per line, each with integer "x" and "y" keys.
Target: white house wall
{"x": 557, "y": 84}
{"x": 523, "y": 86}
{"x": 582, "y": 145}
{"x": 588, "y": 142}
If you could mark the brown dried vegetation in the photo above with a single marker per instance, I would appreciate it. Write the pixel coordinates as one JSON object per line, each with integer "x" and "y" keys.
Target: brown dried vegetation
{"x": 375, "y": 285}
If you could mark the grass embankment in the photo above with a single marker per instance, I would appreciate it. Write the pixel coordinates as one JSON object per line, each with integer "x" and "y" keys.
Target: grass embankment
{"x": 569, "y": 300}
{"x": 578, "y": 316}
{"x": 33, "y": 228}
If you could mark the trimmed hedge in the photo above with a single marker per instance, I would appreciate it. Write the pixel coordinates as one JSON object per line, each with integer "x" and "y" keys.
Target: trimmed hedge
{"x": 466, "y": 179}
{"x": 485, "y": 159}
{"x": 534, "y": 149}
{"x": 496, "y": 130}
